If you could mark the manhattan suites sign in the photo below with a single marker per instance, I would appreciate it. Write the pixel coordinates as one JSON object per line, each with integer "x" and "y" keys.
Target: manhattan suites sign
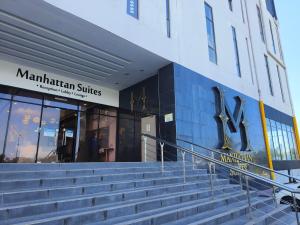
{"x": 37, "y": 80}
{"x": 57, "y": 85}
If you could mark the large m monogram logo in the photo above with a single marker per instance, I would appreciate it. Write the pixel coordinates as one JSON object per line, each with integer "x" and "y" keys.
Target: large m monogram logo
{"x": 235, "y": 121}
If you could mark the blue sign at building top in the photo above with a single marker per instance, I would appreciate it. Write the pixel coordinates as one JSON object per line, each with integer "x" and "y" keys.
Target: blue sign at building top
{"x": 132, "y": 8}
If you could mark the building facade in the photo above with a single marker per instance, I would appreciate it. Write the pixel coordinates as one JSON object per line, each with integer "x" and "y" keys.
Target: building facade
{"x": 82, "y": 81}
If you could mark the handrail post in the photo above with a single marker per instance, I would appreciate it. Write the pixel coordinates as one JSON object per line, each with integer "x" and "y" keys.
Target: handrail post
{"x": 145, "y": 148}
{"x": 248, "y": 196}
{"x": 296, "y": 208}
{"x": 211, "y": 179}
{"x": 241, "y": 180}
{"x": 183, "y": 165}
{"x": 274, "y": 196}
{"x": 162, "y": 155}
{"x": 193, "y": 157}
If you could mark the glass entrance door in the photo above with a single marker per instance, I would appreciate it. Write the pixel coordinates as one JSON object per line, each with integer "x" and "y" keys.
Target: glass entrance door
{"x": 57, "y": 138}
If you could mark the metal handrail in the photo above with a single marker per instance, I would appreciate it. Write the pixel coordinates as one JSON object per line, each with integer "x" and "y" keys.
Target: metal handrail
{"x": 231, "y": 167}
{"x": 241, "y": 160}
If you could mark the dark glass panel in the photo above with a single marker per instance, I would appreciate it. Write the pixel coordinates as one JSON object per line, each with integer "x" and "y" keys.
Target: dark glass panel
{"x": 60, "y": 102}
{"x": 28, "y": 96}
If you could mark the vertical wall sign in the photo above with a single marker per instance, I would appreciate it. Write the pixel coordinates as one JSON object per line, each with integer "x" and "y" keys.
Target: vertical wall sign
{"x": 236, "y": 119}
{"x": 132, "y": 8}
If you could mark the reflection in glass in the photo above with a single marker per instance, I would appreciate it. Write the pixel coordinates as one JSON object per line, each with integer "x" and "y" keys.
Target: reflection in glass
{"x": 107, "y": 137}
{"x": 286, "y": 142}
{"x": 48, "y": 135}
{"x": 22, "y": 137}
{"x": 58, "y": 135}
{"x": 4, "y": 112}
{"x": 97, "y": 135}
{"x": 282, "y": 141}
{"x": 269, "y": 128}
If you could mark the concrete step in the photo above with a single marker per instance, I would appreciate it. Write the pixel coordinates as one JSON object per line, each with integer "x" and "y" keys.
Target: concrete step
{"x": 17, "y": 175}
{"x": 34, "y": 196}
{"x": 232, "y": 212}
{"x": 89, "y": 165}
{"x": 69, "y": 181}
{"x": 128, "y": 193}
{"x": 101, "y": 201}
{"x": 281, "y": 215}
{"x": 181, "y": 211}
{"x": 121, "y": 212}
{"x": 287, "y": 219}
{"x": 257, "y": 216}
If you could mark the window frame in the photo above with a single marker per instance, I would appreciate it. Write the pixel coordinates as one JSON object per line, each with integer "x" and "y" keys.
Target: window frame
{"x": 210, "y": 24}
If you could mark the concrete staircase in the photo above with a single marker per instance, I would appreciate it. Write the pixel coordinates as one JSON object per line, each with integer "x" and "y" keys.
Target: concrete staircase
{"x": 126, "y": 193}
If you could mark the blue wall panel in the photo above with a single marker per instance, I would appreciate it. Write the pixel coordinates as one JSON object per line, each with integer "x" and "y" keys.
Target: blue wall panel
{"x": 197, "y": 109}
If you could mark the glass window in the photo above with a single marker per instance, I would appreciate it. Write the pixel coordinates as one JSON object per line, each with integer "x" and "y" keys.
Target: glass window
{"x": 261, "y": 26}
{"x": 97, "y": 142}
{"x": 249, "y": 59}
{"x": 22, "y": 135}
{"x": 292, "y": 142}
{"x": 272, "y": 36}
{"x": 242, "y": 10}
{"x": 269, "y": 75}
{"x": 279, "y": 41}
{"x": 4, "y": 113}
{"x": 210, "y": 34}
{"x": 236, "y": 52}
{"x": 58, "y": 135}
{"x": 269, "y": 128}
{"x": 280, "y": 83}
{"x": 230, "y": 5}
{"x": 168, "y": 18}
{"x": 281, "y": 141}
{"x": 286, "y": 143}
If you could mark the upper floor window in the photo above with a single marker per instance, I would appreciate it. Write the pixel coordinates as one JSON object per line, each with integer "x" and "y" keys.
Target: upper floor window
{"x": 269, "y": 75}
{"x": 272, "y": 36}
{"x": 212, "y": 52}
{"x": 242, "y": 10}
{"x": 261, "y": 26}
{"x": 280, "y": 83}
{"x": 236, "y": 51}
{"x": 168, "y": 18}
{"x": 230, "y": 5}
{"x": 279, "y": 42}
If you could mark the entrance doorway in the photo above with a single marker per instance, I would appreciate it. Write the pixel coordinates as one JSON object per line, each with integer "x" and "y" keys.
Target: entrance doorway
{"x": 57, "y": 138}
{"x": 148, "y": 126}
{"x": 48, "y": 129}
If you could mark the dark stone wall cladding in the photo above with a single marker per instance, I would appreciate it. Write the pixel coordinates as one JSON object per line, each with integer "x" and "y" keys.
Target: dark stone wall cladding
{"x": 159, "y": 100}
{"x": 197, "y": 109}
{"x": 194, "y": 101}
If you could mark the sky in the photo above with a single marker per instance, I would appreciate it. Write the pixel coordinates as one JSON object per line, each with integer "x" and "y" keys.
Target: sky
{"x": 289, "y": 21}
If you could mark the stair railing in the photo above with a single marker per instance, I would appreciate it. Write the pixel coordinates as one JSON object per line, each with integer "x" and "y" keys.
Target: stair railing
{"x": 214, "y": 151}
{"x": 196, "y": 159}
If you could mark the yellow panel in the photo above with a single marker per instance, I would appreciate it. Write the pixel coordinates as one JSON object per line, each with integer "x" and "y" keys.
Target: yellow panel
{"x": 296, "y": 132}
{"x": 265, "y": 131}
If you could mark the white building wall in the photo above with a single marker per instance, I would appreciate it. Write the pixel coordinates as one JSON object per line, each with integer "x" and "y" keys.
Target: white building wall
{"x": 188, "y": 43}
